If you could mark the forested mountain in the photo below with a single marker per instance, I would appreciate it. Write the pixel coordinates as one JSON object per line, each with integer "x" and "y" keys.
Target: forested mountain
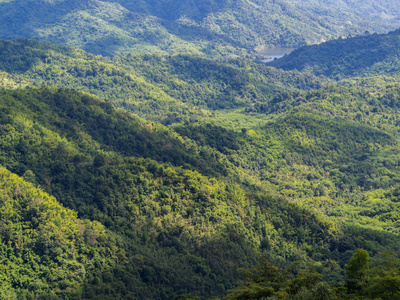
{"x": 202, "y": 27}
{"x": 250, "y": 162}
{"x": 368, "y": 55}
{"x": 166, "y": 89}
{"x": 172, "y": 230}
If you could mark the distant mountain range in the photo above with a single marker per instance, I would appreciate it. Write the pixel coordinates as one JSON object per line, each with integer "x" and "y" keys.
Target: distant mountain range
{"x": 202, "y": 27}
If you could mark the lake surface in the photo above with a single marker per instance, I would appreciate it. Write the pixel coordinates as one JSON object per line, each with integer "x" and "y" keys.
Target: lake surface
{"x": 272, "y": 53}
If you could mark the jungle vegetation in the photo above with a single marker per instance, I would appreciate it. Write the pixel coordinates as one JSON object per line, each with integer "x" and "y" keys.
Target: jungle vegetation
{"x": 208, "y": 28}
{"x": 149, "y": 176}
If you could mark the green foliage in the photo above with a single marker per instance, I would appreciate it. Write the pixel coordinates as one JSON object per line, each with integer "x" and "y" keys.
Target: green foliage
{"x": 167, "y": 89}
{"x": 122, "y": 171}
{"x": 265, "y": 281}
{"x": 378, "y": 280}
{"x": 44, "y": 248}
{"x": 358, "y": 265}
{"x": 172, "y": 227}
{"x": 268, "y": 281}
{"x": 356, "y": 270}
{"x": 68, "y": 143}
{"x": 201, "y": 27}
{"x": 385, "y": 277}
{"x": 188, "y": 204}
{"x": 366, "y": 55}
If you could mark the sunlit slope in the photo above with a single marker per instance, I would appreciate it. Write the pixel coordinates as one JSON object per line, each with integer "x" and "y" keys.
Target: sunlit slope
{"x": 269, "y": 164}
{"x": 45, "y": 249}
{"x": 163, "y": 219}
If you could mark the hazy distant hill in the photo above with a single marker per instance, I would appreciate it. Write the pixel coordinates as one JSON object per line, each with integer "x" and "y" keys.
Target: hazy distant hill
{"x": 204, "y": 27}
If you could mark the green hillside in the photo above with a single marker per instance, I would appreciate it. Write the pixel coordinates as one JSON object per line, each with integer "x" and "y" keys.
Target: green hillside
{"x": 45, "y": 250}
{"x": 200, "y": 27}
{"x": 207, "y": 228}
{"x": 176, "y": 231}
{"x": 365, "y": 56}
{"x": 250, "y": 163}
{"x": 166, "y": 89}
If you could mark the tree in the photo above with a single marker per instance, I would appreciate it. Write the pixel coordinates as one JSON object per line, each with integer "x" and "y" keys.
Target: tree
{"x": 356, "y": 270}
{"x": 262, "y": 281}
{"x": 385, "y": 278}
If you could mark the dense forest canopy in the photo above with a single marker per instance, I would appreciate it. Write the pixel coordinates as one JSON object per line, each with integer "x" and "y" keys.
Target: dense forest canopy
{"x": 90, "y": 156}
{"x": 202, "y": 27}
{"x": 164, "y": 89}
{"x": 367, "y": 55}
{"x": 157, "y": 176}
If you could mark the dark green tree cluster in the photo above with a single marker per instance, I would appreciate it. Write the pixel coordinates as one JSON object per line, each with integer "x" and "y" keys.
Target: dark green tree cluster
{"x": 364, "y": 280}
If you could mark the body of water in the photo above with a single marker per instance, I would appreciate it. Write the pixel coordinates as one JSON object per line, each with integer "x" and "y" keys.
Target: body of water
{"x": 272, "y": 53}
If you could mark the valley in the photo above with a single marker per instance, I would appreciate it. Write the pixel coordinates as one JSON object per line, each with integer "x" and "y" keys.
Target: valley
{"x": 164, "y": 160}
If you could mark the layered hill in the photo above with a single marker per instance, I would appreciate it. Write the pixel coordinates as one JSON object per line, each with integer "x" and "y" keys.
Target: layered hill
{"x": 202, "y": 27}
{"x": 171, "y": 230}
{"x": 165, "y": 89}
{"x": 276, "y": 163}
{"x": 363, "y": 56}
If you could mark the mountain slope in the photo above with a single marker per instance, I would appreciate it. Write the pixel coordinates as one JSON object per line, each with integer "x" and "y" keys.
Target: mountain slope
{"x": 365, "y": 56}
{"x": 166, "y": 89}
{"x": 201, "y": 27}
{"x": 45, "y": 250}
{"x": 246, "y": 164}
{"x": 177, "y": 231}
{"x": 300, "y": 174}
{"x": 173, "y": 230}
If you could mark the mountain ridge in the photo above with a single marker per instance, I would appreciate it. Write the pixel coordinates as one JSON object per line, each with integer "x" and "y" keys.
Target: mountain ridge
{"x": 207, "y": 27}
{"x": 290, "y": 165}
{"x": 363, "y": 56}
